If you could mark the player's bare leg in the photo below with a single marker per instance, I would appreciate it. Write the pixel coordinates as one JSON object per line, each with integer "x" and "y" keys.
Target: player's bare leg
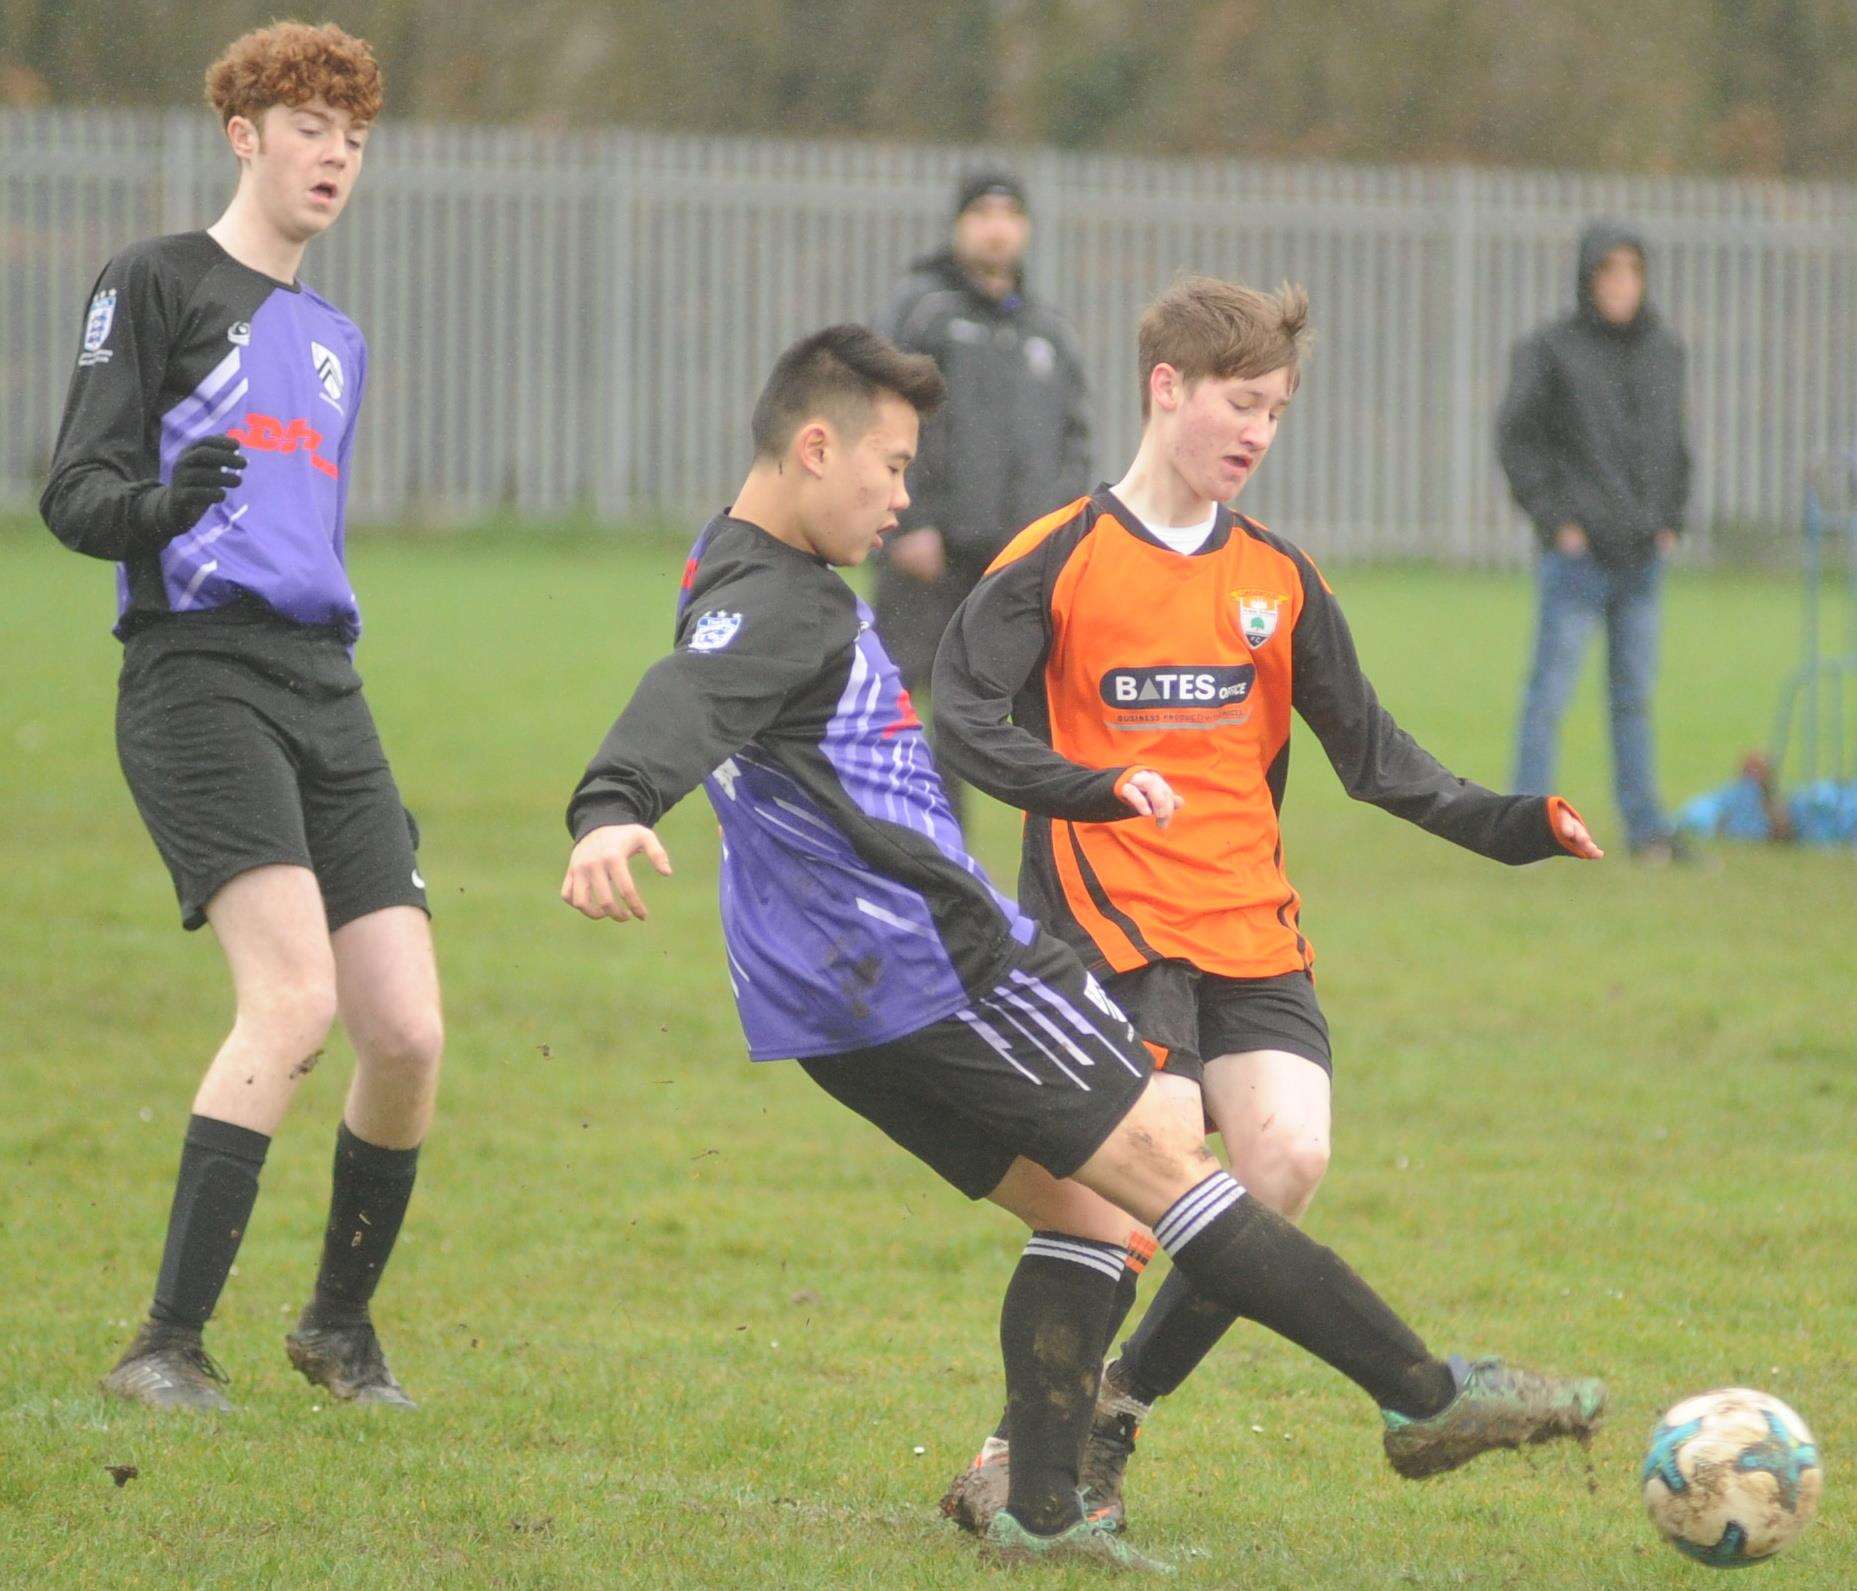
{"x": 387, "y": 978}
{"x": 387, "y": 981}
{"x": 270, "y": 926}
{"x": 1272, "y": 1110}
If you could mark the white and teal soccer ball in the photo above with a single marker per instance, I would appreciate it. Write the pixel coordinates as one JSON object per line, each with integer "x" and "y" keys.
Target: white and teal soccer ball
{"x": 1732, "y": 1476}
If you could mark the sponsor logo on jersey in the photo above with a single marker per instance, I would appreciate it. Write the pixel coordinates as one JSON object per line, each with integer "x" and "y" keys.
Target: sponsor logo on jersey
{"x": 713, "y": 631}
{"x": 239, "y": 333}
{"x": 265, "y": 433}
{"x": 328, "y": 372}
{"x": 1196, "y": 696}
{"x": 1258, "y": 612}
{"x": 906, "y": 715}
{"x": 1040, "y": 356}
{"x": 1190, "y": 685}
{"x": 97, "y": 328}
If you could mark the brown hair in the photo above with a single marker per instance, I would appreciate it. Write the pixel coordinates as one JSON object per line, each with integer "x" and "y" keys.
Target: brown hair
{"x": 1204, "y": 327}
{"x": 839, "y": 373}
{"x": 292, "y": 63}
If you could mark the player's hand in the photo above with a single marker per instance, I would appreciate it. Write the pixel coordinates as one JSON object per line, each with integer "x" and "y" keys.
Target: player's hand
{"x": 1666, "y": 543}
{"x": 1573, "y": 834}
{"x": 1150, "y": 795}
{"x": 599, "y": 876}
{"x": 920, "y": 553}
{"x": 1571, "y": 540}
{"x": 203, "y": 474}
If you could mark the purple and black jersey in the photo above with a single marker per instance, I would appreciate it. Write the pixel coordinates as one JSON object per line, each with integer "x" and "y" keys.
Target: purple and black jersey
{"x": 851, "y": 910}
{"x": 181, "y": 342}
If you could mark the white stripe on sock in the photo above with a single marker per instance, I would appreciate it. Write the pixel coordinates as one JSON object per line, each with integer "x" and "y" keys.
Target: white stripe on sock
{"x": 1195, "y": 1210}
{"x": 1078, "y": 1251}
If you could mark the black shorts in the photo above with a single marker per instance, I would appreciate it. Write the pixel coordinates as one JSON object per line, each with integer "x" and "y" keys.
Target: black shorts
{"x": 267, "y": 754}
{"x": 1196, "y": 1016}
{"x": 1044, "y": 1066}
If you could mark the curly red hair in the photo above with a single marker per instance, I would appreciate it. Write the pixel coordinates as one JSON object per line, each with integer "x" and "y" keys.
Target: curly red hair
{"x": 292, "y": 63}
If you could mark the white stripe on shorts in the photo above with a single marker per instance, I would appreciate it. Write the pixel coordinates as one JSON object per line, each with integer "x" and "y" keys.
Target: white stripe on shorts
{"x": 1076, "y": 1018}
{"x": 985, "y": 1030}
{"x": 1012, "y": 1022}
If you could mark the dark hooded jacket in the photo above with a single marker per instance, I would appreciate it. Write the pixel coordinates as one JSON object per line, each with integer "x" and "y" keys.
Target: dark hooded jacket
{"x": 1012, "y": 443}
{"x": 1591, "y": 431}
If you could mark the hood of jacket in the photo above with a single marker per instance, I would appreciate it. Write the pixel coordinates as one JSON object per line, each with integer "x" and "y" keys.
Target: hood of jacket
{"x": 1596, "y": 242}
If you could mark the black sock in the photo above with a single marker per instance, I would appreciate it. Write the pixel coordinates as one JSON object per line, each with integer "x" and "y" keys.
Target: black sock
{"x": 1180, "y": 1328}
{"x": 1051, "y": 1337}
{"x": 366, "y": 1205}
{"x": 1134, "y": 1262}
{"x": 213, "y": 1197}
{"x": 1248, "y": 1258}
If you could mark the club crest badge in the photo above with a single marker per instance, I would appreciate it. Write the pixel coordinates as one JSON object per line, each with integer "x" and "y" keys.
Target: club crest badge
{"x": 97, "y": 328}
{"x": 328, "y": 372}
{"x": 713, "y": 631}
{"x": 1258, "y": 612}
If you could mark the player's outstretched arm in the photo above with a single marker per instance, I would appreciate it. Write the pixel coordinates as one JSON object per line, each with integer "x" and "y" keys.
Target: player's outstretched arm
{"x": 599, "y": 881}
{"x": 1379, "y": 762}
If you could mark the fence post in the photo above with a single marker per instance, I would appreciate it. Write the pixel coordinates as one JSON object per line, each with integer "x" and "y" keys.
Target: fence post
{"x": 619, "y": 154}
{"x": 1460, "y": 313}
{"x": 1044, "y": 170}
{"x": 176, "y": 171}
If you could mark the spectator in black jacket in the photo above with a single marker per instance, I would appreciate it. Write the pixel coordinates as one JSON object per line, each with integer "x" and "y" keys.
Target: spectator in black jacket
{"x": 1591, "y": 436}
{"x": 1011, "y": 444}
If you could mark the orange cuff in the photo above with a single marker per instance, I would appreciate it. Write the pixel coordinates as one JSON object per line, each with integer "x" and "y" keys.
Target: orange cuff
{"x": 1555, "y": 806}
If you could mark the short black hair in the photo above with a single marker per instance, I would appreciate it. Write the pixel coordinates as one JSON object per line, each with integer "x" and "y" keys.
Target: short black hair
{"x": 840, "y": 373}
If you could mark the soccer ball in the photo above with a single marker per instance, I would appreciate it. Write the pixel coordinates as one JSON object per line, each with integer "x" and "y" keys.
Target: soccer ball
{"x": 1732, "y": 1476}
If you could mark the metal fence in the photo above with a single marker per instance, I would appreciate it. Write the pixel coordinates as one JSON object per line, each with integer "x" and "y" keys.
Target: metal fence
{"x": 578, "y": 323}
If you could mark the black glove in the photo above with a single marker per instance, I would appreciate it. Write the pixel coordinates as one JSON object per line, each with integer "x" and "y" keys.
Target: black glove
{"x": 203, "y": 474}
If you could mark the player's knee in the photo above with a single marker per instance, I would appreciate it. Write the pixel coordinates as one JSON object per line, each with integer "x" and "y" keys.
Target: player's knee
{"x": 1285, "y": 1169}
{"x": 407, "y": 1044}
{"x": 1304, "y": 1164}
{"x": 291, "y": 1011}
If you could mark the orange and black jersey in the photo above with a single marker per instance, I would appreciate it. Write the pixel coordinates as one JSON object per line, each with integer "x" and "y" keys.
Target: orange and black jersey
{"x": 1091, "y": 648}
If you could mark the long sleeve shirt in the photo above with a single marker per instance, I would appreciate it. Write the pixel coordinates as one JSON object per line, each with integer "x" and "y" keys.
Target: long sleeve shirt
{"x": 851, "y": 910}
{"x": 1091, "y": 648}
{"x": 182, "y": 342}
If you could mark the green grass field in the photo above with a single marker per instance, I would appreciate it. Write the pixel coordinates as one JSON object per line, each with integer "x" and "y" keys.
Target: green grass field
{"x": 680, "y": 1321}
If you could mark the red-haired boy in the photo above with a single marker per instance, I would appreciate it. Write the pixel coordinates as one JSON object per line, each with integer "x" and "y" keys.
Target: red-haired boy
{"x": 205, "y": 450}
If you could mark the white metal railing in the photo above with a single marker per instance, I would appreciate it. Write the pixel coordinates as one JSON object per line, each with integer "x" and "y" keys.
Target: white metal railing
{"x": 579, "y": 323}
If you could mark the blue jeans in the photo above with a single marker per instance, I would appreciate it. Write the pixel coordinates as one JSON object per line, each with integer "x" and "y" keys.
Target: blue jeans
{"x": 1576, "y": 593}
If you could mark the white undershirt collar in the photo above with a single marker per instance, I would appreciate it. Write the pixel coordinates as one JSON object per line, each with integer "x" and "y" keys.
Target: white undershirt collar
{"x": 1184, "y": 539}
